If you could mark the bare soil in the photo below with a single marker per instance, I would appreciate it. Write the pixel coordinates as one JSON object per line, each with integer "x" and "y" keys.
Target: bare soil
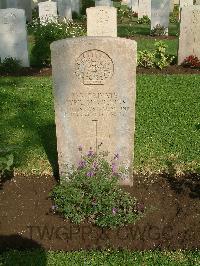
{"x": 171, "y": 219}
{"x": 47, "y": 71}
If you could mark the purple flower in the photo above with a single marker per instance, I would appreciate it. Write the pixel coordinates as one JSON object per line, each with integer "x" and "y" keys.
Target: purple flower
{"x": 139, "y": 207}
{"x": 90, "y": 174}
{"x": 80, "y": 147}
{"x": 90, "y": 152}
{"x": 95, "y": 166}
{"x": 114, "y": 168}
{"x": 81, "y": 164}
{"x": 114, "y": 211}
{"x": 116, "y": 156}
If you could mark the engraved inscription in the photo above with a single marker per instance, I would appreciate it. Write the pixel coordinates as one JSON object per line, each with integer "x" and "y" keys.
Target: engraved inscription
{"x": 94, "y": 67}
{"x": 96, "y": 105}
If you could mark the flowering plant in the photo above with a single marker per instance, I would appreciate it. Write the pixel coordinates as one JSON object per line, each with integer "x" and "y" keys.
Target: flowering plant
{"x": 50, "y": 30}
{"x": 92, "y": 193}
{"x": 191, "y": 61}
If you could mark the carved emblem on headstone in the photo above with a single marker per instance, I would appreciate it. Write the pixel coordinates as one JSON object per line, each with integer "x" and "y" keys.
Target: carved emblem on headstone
{"x": 94, "y": 67}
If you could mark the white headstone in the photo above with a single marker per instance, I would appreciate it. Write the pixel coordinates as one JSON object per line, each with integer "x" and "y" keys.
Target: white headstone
{"x": 76, "y": 6}
{"x": 183, "y": 3}
{"x": 103, "y": 3}
{"x": 65, "y": 8}
{"x": 134, "y": 6}
{"x": 47, "y": 11}
{"x": 21, "y": 4}
{"x": 127, "y": 2}
{"x": 189, "y": 40}
{"x": 102, "y": 21}
{"x": 160, "y": 14}
{"x": 13, "y": 35}
{"x": 144, "y": 8}
{"x": 94, "y": 92}
{"x": 197, "y": 2}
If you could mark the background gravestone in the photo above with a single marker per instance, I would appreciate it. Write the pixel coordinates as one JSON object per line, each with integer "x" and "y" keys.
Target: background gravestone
{"x": 13, "y": 35}
{"x": 47, "y": 11}
{"x": 197, "y": 2}
{"x": 94, "y": 98}
{"x": 134, "y": 5}
{"x": 102, "y": 21}
{"x": 171, "y": 5}
{"x": 127, "y": 2}
{"x": 160, "y": 13}
{"x": 21, "y": 4}
{"x": 65, "y": 8}
{"x": 76, "y": 6}
{"x": 189, "y": 39}
{"x": 103, "y": 3}
{"x": 144, "y": 8}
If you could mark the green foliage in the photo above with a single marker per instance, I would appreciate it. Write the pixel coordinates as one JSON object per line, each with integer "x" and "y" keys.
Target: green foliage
{"x": 146, "y": 59}
{"x": 144, "y": 20}
{"x": 46, "y": 33}
{"x": 174, "y": 16}
{"x": 158, "y": 58}
{"x": 85, "y": 4}
{"x": 124, "y": 13}
{"x": 167, "y": 122}
{"x": 10, "y": 65}
{"x": 105, "y": 257}
{"x": 162, "y": 59}
{"x": 6, "y": 164}
{"x": 158, "y": 30}
{"x": 191, "y": 61}
{"x": 92, "y": 192}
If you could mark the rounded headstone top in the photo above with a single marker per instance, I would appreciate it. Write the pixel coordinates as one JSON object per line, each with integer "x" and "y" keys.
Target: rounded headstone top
{"x": 17, "y": 11}
{"x": 94, "y": 40}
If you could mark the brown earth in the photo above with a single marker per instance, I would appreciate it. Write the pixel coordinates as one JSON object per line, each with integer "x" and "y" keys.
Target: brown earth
{"x": 173, "y": 69}
{"x": 171, "y": 220}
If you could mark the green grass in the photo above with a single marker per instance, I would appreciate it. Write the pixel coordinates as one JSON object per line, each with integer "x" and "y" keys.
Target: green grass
{"x": 167, "y": 122}
{"x": 140, "y": 32}
{"x": 142, "y": 29}
{"x": 104, "y": 258}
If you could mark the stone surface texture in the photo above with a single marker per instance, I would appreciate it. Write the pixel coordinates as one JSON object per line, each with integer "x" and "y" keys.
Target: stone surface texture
{"x": 94, "y": 99}
{"x": 144, "y": 8}
{"x": 21, "y": 4}
{"x": 102, "y": 21}
{"x": 47, "y": 11}
{"x": 160, "y": 13}
{"x": 13, "y": 35}
{"x": 65, "y": 8}
{"x": 189, "y": 39}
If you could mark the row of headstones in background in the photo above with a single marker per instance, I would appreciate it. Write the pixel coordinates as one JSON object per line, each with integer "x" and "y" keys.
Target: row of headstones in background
{"x": 13, "y": 35}
{"x": 65, "y": 7}
{"x": 48, "y": 10}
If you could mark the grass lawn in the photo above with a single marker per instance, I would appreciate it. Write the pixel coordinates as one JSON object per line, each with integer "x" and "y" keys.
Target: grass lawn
{"x": 167, "y": 123}
{"x": 105, "y": 258}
